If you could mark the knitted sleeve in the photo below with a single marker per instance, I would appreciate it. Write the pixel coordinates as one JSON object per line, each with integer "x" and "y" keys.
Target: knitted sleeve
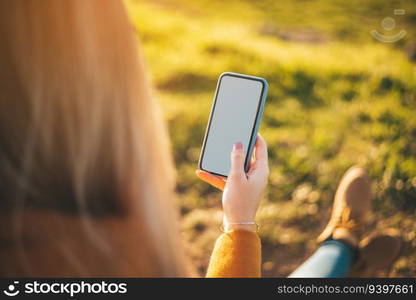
{"x": 236, "y": 254}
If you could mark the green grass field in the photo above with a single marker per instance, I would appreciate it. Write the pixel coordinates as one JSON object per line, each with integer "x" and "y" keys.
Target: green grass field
{"x": 337, "y": 97}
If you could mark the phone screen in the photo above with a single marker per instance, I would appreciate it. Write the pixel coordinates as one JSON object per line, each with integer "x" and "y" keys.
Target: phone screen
{"x": 233, "y": 119}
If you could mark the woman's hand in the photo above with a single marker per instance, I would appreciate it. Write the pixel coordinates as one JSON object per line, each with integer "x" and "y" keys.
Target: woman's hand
{"x": 242, "y": 191}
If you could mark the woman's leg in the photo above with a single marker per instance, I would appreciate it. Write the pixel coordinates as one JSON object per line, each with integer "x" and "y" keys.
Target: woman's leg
{"x": 340, "y": 237}
{"x": 332, "y": 259}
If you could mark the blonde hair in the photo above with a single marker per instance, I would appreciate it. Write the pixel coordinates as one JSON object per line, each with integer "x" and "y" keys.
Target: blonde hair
{"x": 86, "y": 175}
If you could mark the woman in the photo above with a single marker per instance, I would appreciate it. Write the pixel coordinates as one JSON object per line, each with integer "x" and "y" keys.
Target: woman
{"x": 86, "y": 176}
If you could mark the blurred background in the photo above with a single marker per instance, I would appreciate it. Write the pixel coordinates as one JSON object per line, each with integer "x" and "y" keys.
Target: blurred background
{"x": 342, "y": 78}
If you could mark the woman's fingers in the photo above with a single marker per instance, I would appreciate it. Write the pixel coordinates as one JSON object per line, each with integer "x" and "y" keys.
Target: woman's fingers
{"x": 261, "y": 157}
{"x": 261, "y": 150}
{"x": 253, "y": 159}
{"x": 258, "y": 164}
{"x": 238, "y": 156}
{"x": 213, "y": 180}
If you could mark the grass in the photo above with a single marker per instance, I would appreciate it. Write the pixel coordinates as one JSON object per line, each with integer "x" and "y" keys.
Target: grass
{"x": 337, "y": 97}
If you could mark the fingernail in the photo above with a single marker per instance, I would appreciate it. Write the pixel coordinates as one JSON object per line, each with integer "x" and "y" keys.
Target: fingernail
{"x": 238, "y": 146}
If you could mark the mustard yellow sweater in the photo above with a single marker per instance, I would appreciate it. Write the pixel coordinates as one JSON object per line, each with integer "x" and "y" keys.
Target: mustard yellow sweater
{"x": 236, "y": 254}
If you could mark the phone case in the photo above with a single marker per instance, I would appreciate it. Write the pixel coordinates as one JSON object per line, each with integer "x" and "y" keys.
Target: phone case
{"x": 256, "y": 126}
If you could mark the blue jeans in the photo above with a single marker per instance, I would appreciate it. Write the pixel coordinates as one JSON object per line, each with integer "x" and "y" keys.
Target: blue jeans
{"x": 332, "y": 259}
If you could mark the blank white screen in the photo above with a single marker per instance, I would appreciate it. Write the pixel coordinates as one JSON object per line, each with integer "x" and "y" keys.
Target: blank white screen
{"x": 232, "y": 121}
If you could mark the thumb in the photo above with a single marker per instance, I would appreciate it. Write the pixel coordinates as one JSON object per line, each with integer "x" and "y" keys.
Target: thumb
{"x": 237, "y": 159}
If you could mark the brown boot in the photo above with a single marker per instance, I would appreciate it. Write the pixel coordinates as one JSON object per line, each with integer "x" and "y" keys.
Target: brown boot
{"x": 351, "y": 204}
{"x": 377, "y": 252}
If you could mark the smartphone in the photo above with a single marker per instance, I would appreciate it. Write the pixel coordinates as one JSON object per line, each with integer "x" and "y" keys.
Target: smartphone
{"x": 235, "y": 117}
